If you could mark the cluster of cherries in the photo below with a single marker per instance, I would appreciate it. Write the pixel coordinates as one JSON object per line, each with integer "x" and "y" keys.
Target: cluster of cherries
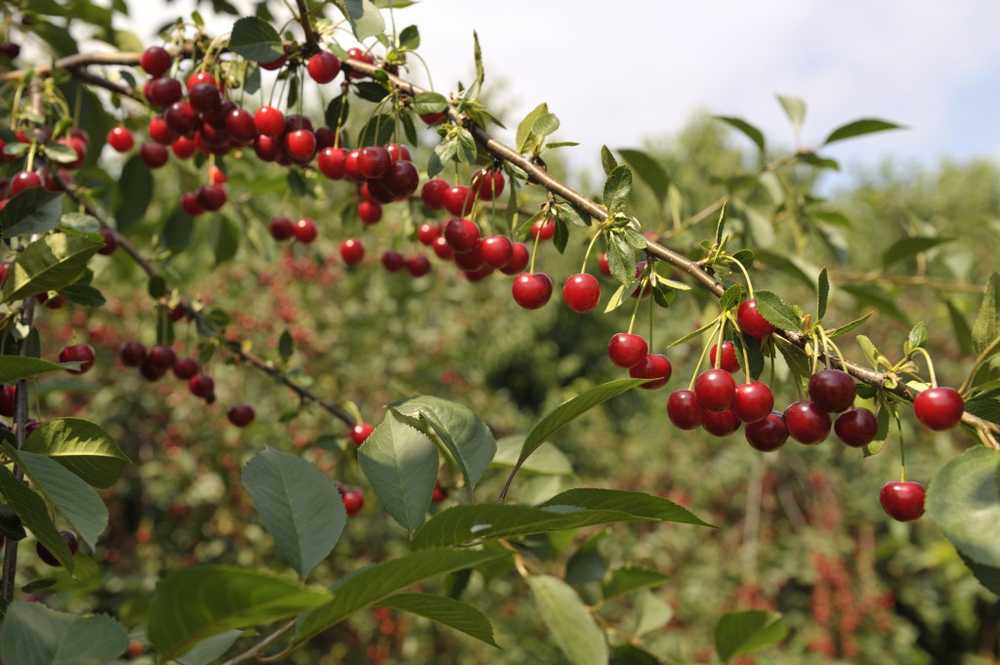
{"x": 51, "y": 178}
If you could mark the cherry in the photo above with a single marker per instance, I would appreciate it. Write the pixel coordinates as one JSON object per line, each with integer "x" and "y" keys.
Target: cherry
{"x": 471, "y": 260}
{"x": 163, "y": 92}
{"x": 902, "y": 500}
{"x": 268, "y": 149}
{"x": 532, "y": 290}
{"x": 241, "y": 415}
{"x": 82, "y": 353}
{"x": 832, "y": 390}
{"x": 582, "y": 292}
{"x": 360, "y": 432}
{"x": 603, "y": 265}
{"x": 939, "y": 408}
{"x": 358, "y": 54}
{"x": 398, "y": 151}
{"x": 132, "y": 354}
{"x": 352, "y": 251}
{"x": 211, "y": 197}
{"x": 753, "y": 401}
{"x": 55, "y": 302}
{"x": 331, "y": 162}
{"x": 462, "y": 234}
{"x": 11, "y": 51}
{"x": 433, "y": 193}
{"x": 48, "y": 557}
{"x": 370, "y": 212}
{"x": 162, "y": 357}
{"x": 300, "y": 145}
{"x": 442, "y": 249}
{"x": 807, "y": 422}
{"x": 4, "y": 269}
{"x": 110, "y": 242}
{"x": 751, "y": 321}
{"x": 120, "y": 138}
{"x": 720, "y": 423}
{"x": 205, "y": 97}
{"x": 488, "y": 184}
{"x": 201, "y": 77}
{"x": 189, "y": 202}
{"x": 241, "y": 126}
{"x": 428, "y": 233}
{"x": 684, "y": 410}
{"x": 458, "y": 200}
{"x": 325, "y": 138}
{"x": 151, "y": 372}
{"x": 496, "y": 250}
{"x": 653, "y": 366}
{"x": 729, "y": 361}
{"x": 543, "y": 230}
{"x": 155, "y": 61}
{"x": 627, "y": 349}
{"x": 201, "y": 385}
{"x": 519, "y": 258}
{"x": 154, "y": 155}
{"x": 353, "y": 500}
{"x": 277, "y": 63}
{"x": 183, "y": 147}
{"x": 305, "y": 230}
{"x": 432, "y": 119}
{"x": 216, "y": 175}
{"x": 768, "y": 433}
{"x": 479, "y": 274}
{"x": 79, "y": 147}
{"x": 182, "y": 117}
{"x": 418, "y": 265}
{"x": 185, "y": 368}
{"x": 715, "y": 389}
{"x": 401, "y": 179}
{"x": 373, "y": 161}
{"x": 352, "y": 168}
{"x": 24, "y": 180}
{"x": 856, "y": 427}
{"x": 160, "y": 131}
{"x": 392, "y": 261}
{"x": 270, "y": 121}
{"x": 323, "y": 67}
{"x": 377, "y": 190}
{"x": 438, "y": 494}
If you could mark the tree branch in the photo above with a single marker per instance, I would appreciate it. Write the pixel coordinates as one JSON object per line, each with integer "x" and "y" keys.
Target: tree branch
{"x": 306, "y": 24}
{"x": 254, "y": 651}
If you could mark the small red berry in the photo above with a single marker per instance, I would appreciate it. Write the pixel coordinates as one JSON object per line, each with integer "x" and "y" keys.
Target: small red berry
{"x": 205, "y": 98}
{"x": 185, "y": 368}
{"x": 720, "y": 423}
{"x": 902, "y": 500}
{"x": 653, "y": 366}
{"x": 361, "y": 432}
{"x": 110, "y": 242}
{"x": 832, "y": 390}
{"x": 715, "y": 389}
{"x": 352, "y": 168}
{"x": 767, "y": 434}
{"x": 428, "y": 233}
{"x": 300, "y": 145}
{"x": 183, "y": 147}
{"x": 305, "y": 230}
{"x": 354, "y": 501}
{"x": 155, "y": 61}
{"x": 442, "y": 249}
{"x": 120, "y": 138}
{"x": 160, "y": 131}
{"x": 752, "y": 401}
{"x": 373, "y": 161}
{"x": 856, "y": 427}
{"x": 603, "y": 265}
{"x": 154, "y": 155}
{"x": 163, "y": 92}
{"x": 496, "y": 250}
{"x": 281, "y": 228}
{"x": 241, "y": 415}
{"x": 418, "y": 265}
{"x": 269, "y": 121}
{"x": 627, "y": 349}
{"x": 939, "y": 408}
{"x": 398, "y": 151}
{"x": 751, "y": 321}
{"x": 81, "y": 353}
{"x": 532, "y": 290}
{"x": 323, "y": 67}
{"x": 132, "y": 354}
{"x": 401, "y": 178}
{"x": 370, "y": 212}
{"x": 729, "y": 361}
{"x": 199, "y": 78}
{"x": 438, "y": 494}
{"x": 201, "y": 385}
{"x": 190, "y": 205}
{"x": 488, "y": 184}
{"x": 684, "y": 410}
{"x": 352, "y": 251}
{"x": 241, "y": 126}
{"x": 519, "y": 258}
{"x": 582, "y": 292}
{"x": 392, "y": 261}
{"x": 161, "y": 356}
{"x": 332, "y": 162}
{"x": 458, "y": 200}
{"x": 543, "y": 230}
{"x": 807, "y": 422}
{"x": 24, "y": 180}
{"x": 211, "y": 197}
{"x": 462, "y": 234}
{"x": 433, "y": 193}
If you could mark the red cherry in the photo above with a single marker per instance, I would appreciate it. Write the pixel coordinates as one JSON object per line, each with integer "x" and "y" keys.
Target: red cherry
{"x": 301, "y": 145}
{"x": 543, "y": 229}
{"x": 401, "y": 178}
{"x": 433, "y": 193}
{"x": 132, "y": 354}
{"x": 358, "y": 54}
{"x": 627, "y": 349}
{"x": 353, "y": 501}
{"x": 240, "y": 125}
{"x": 519, "y": 258}
{"x": 461, "y": 234}
{"x": 241, "y": 415}
{"x": 496, "y": 250}
{"x": 428, "y": 233}
{"x": 603, "y": 265}
{"x": 751, "y": 321}
{"x": 728, "y": 361}
{"x": 281, "y": 228}
{"x": 902, "y": 500}
{"x": 582, "y": 293}
{"x": 277, "y": 63}
{"x": 201, "y": 77}
{"x": 162, "y": 357}
{"x": 715, "y": 389}
{"x": 352, "y": 167}
{"x": 752, "y": 401}
{"x": 270, "y": 121}
{"x": 185, "y": 368}
{"x": 768, "y": 433}
{"x": 120, "y": 138}
{"x": 216, "y": 175}
{"x": 211, "y": 197}
{"x": 182, "y": 118}
{"x": 377, "y": 190}
{"x": 438, "y": 494}
{"x": 154, "y": 155}
{"x": 201, "y": 385}
{"x": 361, "y": 432}
{"x": 939, "y": 408}
{"x": 323, "y": 67}
{"x": 190, "y": 205}
{"x": 331, "y": 162}
{"x": 479, "y": 274}
{"x": 82, "y": 353}
{"x": 370, "y": 212}
{"x": 807, "y": 422}
{"x": 471, "y": 260}
{"x": 832, "y": 390}
{"x": 160, "y": 131}
{"x": 532, "y": 290}
{"x": 163, "y": 92}
{"x": 183, "y": 147}
{"x": 151, "y": 372}
{"x": 684, "y": 410}
{"x": 110, "y": 243}
{"x": 268, "y": 149}
{"x": 653, "y": 366}
{"x": 720, "y": 423}
{"x": 79, "y": 147}
{"x": 458, "y": 200}
{"x": 488, "y": 184}
{"x": 24, "y": 180}
{"x": 398, "y": 151}
{"x": 155, "y": 61}
{"x": 373, "y": 161}
{"x": 8, "y": 400}
{"x": 48, "y": 557}
{"x": 205, "y": 97}
{"x": 392, "y": 261}
{"x": 442, "y": 249}
{"x": 418, "y": 265}
{"x": 305, "y": 230}
{"x": 431, "y": 119}
{"x": 856, "y": 427}
{"x": 352, "y": 251}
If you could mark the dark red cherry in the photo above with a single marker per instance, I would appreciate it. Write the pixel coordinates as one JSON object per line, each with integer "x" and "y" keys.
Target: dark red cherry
{"x": 653, "y": 366}
{"x": 471, "y": 260}
{"x": 442, "y": 249}
{"x": 373, "y": 161}
{"x": 155, "y": 61}
{"x": 161, "y": 356}
{"x": 902, "y": 500}
{"x": 543, "y": 229}
{"x": 24, "y": 180}
{"x": 720, "y": 423}
{"x": 393, "y": 261}
{"x": 768, "y": 433}
{"x": 48, "y": 557}
{"x": 458, "y": 200}
{"x": 281, "y": 228}
{"x": 183, "y": 147}
{"x": 433, "y": 193}
{"x": 532, "y": 290}
{"x": 241, "y": 415}
{"x": 160, "y": 131}
{"x": 199, "y": 78}
{"x": 132, "y": 354}
{"x": 370, "y": 212}
{"x": 939, "y": 408}
{"x": 81, "y": 353}
{"x": 185, "y": 368}
{"x": 398, "y": 151}
{"x": 684, "y": 410}
{"x": 752, "y": 401}
{"x": 807, "y": 422}
{"x": 201, "y": 385}
{"x": 154, "y": 155}
{"x": 428, "y": 233}
{"x": 401, "y": 178}
{"x": 190, "y": 205}
{"x": 519, "y": 258}
{"x": 182, "y": 117}
{"x": 418, "y": 265}
{"x": 353, "y": 500}
{"x": 729, "y": 361}
{"x": 496, "y": 250}
{"x": 352, "y": 251}
{"x": 832, "y": 390}
{"x": 856, "y": 427}
{"x": 241, "y": 126}
{"x": 751, "y": 321}
{"x": 211, "y": 197}
{"x": 462, "y": 234}
{"x": 305, "y": 230}
{"x": 205, "y": 97}
{"x": 582, "y": 292}
{"x": 432, "y": 119}
{"x": 162, "y": 92}
{"x": 627, "y": 349}
{"x": 715, "y": 389}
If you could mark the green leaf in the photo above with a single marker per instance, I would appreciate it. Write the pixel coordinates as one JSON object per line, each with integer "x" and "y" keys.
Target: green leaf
{"x": 987, "y": 325}
{"x": 860, "y": 128}
{"x": 618, "y": 186}
{"x": 568, "y": 411}
{"x": 373, "y": 584}
{"x": 31, "y": 508}
{"x": 365, "y": 19}
{"x": 32, "y": 634}
{"x": 963, "y": 334}
{"x": 13, "y": 368}
{"x": 452, "y": 613}
{"x": 964, "y": 501}
{"x": 627, "y": 580}
{"x": 134, "y": 193}
{"x": 628, "y": 654}
{"x": 850, "y": 326}
{"x": 918, "y": 336}
{"x": 401, "y": 463}
{"x": 299, "y": 506}
{"x": 906, "y": 248}
{"x": 746, "y": 129}
{"x": 84, "y": 294}
{"x": 819, "y": 161}
{"x": 209, "y": 651}
{"x": 33, "y": 210}
{"x": 547, "y": 460}
{"x": 652, "y": 612}
{"x": 573, "y": 509}
{"x": 742, "y": 633}
{"x": 50, "y": 263}
{"x": 337, "y": 111}
{"x": 545, "y": 124}
{"x": 430, "y": 102}
{"x": 195, "y": 603}
{"x": 82, "y": 447}
{"x": 409, "y": 37}
{"x": 568, "y": 619}
{"x": 795, "y": 109}
{"x": 10, "y": 524}
{"x": 774, "y": 309}
{"x": 371, "y": 91}
{"x": 255, "y": 39}
{"x": 286, "y": 345}
{"x": 822, "y": 293}
{"x": 227, "y": 241}
{"x": 524, "y": 135}
{"x": 649, "y": 171}
{"x": 177, "y": 231}
{"x": 608, "y": 161}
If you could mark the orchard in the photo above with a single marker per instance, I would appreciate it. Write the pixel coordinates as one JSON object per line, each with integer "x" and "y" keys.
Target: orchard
{"x": 304, "y": 360}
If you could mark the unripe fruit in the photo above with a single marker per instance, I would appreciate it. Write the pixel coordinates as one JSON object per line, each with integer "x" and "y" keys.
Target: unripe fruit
{"x": 120, "y": 138}
{"x": 582, "y": 292}
{"x": 807, "y": 422}
{"x": 939, "y": 408}
{"x": 361, "y": 432}
{"x": 856, "y": 427}
{"x": 519, "y": 258}
{"x": 767, "y": 434}
{"x": 653, "y": 366}
{"x": 832, "y": 390}
{"x": 323, "y": 67}
{"x": 752, "y": 401}
{"x": 352, "y": 251}
{"x": 728, "y": 362}
{"x": 81, "y": 353}
{"x": 532, "y": 290}
{"x": 627, "y": 350}
{"x": 903, "y": 500}
{"x": 751, "y": 321}
{"x": 684, "y": 410}
{"x": 305, "y": 230}
{"x": 155, "y": 61}
{"x": 720, "y": 423}
{"x": 715, "y": 389}
{"x": 241, "y": 415}
{"x": 462, "y": 234}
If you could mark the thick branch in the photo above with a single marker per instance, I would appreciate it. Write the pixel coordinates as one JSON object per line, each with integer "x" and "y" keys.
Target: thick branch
{"x": 306, "y": 24}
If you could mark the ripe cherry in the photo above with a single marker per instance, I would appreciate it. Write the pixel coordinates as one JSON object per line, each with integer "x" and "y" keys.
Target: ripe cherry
{"x": 856, "y": 427}
{"x": 401, "y": 178}
{"x": 433, "y": 193}
{"x": 305, "y": 230}
{"x": 729, "y": 361}
{"x": 398, "y": 151}
{"x": 185, "y": 368}
{"x": 720, "y": 423}
{"x": 653, "y": 366}
{"x": 373, "y": 161}
{"x": 201, "y": 385}
{"x": 211, "y": 197}
{"x": 519, "y": 258}
{"x": 81, "y": 353}
{"x": 183, "y": 147}
{"x": 442, "y": 249}
{"x": 532, "y": 290}
{"x": 752, "y": 401}
{"x": 377, "y": 190}
{"x": 358, "y": 54}
{"x": 370, "y": 212}
{"x": 160, "y": 131}
{"x": 24, "y": 180}
{"x": 8, "y": 400}
{"x": 240, "y": 125}
{"x": 488, "y": 184}
{"x": 462, "y": 234}
{"x": 392, "y": 261}
{"x": 270, "y": 121}
{"x": 353, "y": 500}
{"x": 458, "y": 200}
{"x": 216, "y": 175}
{"x": 543, "y": 230}
{"x": 428, "y": 233}
{"x": 902, "y": 500}
{"x": 432, "y": 119}
{"x": 352, "y": 168}
{"x": 471, "y": 260}
{"x": 832, "y": 390}
{"x": 352, "y": 251}
{"x": 281, "y": 228}
{"x": 151, "y": 372}
{"x": 190, "y": 205}
{"x": 684, "y": 410}
{"x": 603, "y": 265}
{"x": 751, "y": 321}
{"x": 161, "y": 356}
{"x": 323, "y": 67}
{"x": 418, "y": 265}
{"x": 627, "y": 349}
{"x": 939, "y": 408}
{"x": 205, "y": 98}
{"x": 332, "y": 162}
{"x": 132, "y": 354}
{"x": 163, "y": 92}
{"x": 496, "y": 250}
{"x": 582, "y": 293}
{"x": 438, "y": 494}
{"x": 768, "y": 433}
{"x": 199, "y": 78}
{"x": 715, "y": 389}
{"x": 300, "y": 145}
{"x": 241, "y": 415}
{"x": 48, "y": 557}
{"x": 277, "y": 63}
{"x": 268, "y": 149}
{"x": 154, "y": 155}
{"x": 807, "y": 422}
{"x": 120, "y": 138}
{"x": 182, "y": 118}
{"x": 155, "y": 61}
{"x": 361, "y": 432}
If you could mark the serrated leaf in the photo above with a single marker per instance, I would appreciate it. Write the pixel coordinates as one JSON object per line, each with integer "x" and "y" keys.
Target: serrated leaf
{"x": 746, "y": 129}
{"x": 82, "y": 447}
{"x": 732, "y": 297}
{"x": 774, "y": 309}
{"x": 918, "y": 335}
{"x": 629, "y": 579}
{"x": 409, "y": 37}
{"x": 608, "y": 161}
{"x": 447, "y": 611}
{"x": 83, "y": 294}
{"x": 572, "y": 627}
{"x": 50, "y": 263}
{"x": 32, "y": 634}
{"x": 524, "y": 135}
{"x": 860, "y": 128}
{"x": 618, "y": 186}
{"x": 255, "y": 39}
{"x": 429, "y": 102}
{"x": 31, "y": 211}
{"x": 742, "y": 633}
{"x": 34, "y": 514}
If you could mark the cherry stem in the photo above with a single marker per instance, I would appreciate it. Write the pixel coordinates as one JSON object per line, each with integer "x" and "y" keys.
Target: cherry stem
{"x": 635, "y": 310}
{"x": 701, "y": 358}
{"x": 930, "y": 364}
{"x": 586, "y": 256}
{"x": 836, "y": 349}
{"x": 746, "y": 275}
{"x": 31, "y": 155}
{"x": 534, "y": 251}
{"x": 651, "y": 324}
{"x": 718, "y": 347}
{"x": 902, "y": 447}
{"x": 746, "y": 361}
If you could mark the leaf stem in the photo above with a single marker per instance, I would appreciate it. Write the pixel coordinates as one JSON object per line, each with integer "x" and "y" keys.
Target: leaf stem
{"x": 930, "y": 364}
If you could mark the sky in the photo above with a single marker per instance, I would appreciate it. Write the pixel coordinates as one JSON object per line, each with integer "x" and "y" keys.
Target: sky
{"x": 617, "y": 73}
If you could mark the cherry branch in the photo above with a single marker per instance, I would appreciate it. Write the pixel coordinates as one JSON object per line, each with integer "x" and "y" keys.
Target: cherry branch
{"x": 306, "y": 23}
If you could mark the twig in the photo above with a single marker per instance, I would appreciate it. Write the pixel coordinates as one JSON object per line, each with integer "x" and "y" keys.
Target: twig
{"x": 254, "y": 651}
